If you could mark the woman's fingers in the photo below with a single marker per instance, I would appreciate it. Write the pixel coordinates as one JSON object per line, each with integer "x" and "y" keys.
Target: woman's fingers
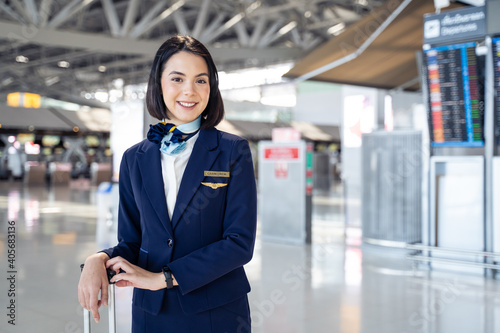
{"x": 104, "y": 293}
{"x": 94, "y": 308}
{"x": 118, "y": 263}
{"x": 114, "y": 260}
{"x": 129, "y": 275}
{"x": 93, "y": 281}
{"x": 81, "y": 298}
{"x": 123, "y": 283}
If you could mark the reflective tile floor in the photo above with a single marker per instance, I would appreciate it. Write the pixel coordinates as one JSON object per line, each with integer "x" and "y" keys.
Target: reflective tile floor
{"x": 336, "y": 285}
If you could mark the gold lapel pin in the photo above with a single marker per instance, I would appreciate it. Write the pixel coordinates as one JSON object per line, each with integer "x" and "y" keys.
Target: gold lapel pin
{"x": 214, "y": 185}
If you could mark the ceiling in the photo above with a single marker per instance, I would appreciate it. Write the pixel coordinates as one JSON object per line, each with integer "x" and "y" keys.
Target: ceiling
{"x": 66, "y": 47}
{"x": 389, "y": 62}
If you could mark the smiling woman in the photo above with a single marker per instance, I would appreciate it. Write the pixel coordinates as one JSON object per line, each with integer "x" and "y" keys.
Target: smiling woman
{"x": 185, "y": 87}
{"x": 177, "y": 52}
{"x": 188, "y": 208}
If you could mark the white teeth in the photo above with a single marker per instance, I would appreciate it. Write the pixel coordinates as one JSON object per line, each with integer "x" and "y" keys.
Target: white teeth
{"x": 188, "y": 105}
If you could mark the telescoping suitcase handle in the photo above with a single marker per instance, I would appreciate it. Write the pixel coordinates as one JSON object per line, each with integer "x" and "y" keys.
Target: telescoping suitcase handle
{"x": 111, "y": 306}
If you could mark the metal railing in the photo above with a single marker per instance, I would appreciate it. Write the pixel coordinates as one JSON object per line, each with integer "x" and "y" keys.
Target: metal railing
{"x": 419, "y": 248}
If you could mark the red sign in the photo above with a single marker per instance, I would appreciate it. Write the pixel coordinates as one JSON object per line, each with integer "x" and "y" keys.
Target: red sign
{"x": 309, "y": 189}
{"x": 281, "y": 153}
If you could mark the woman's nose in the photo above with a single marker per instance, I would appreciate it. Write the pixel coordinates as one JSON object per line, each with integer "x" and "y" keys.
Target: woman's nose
{"x": 188, "y": 88}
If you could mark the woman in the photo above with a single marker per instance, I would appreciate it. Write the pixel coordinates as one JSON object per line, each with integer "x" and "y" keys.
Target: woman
{"x": 187, "y": 214}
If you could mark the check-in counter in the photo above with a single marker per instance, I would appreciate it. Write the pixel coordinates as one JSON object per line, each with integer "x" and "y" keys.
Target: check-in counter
{"x": 100, "y": 172}
{"x": 60, "y": 173}
{"x": 34, "y": 173}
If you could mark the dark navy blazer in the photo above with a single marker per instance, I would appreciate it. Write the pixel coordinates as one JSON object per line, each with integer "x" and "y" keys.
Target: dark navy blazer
{"x": 212, "y": 232}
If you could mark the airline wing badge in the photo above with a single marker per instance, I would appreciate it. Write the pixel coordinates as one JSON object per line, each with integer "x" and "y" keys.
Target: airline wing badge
{"x": 214, "y": 185}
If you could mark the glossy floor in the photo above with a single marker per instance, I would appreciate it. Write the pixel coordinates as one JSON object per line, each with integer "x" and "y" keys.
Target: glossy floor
{"x": 335, "y": 285}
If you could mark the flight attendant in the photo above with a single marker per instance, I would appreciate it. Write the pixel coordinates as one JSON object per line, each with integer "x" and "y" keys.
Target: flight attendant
{"x": 187, "y": 213}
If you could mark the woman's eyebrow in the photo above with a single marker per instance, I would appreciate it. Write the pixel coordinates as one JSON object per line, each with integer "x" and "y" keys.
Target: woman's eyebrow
{"x": 180, "y": 73}
{"x": 176, "y": 73}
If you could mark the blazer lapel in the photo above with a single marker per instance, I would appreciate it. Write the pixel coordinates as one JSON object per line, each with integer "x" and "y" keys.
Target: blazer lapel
{"x": 203, "y": 156}
{"x": 152, "y": 180}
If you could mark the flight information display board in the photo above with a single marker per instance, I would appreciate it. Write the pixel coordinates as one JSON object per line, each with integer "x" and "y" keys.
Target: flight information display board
{"x": 496, "y": 70}
{"x": 456, "y": 104}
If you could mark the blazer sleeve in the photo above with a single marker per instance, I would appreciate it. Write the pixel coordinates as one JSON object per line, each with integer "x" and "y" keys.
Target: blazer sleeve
{"x": 129, "y": 232}
{"x": 239, "y": 226}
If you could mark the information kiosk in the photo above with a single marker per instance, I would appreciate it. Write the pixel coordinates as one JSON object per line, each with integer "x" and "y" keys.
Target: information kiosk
{"x": 495, "y": 170}
{"x": 461, "y": 89}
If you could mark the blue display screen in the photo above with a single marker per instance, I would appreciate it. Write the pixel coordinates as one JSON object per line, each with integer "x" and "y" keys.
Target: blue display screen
{"x": 496, "y": 70}
{"x": 456, "y": 106}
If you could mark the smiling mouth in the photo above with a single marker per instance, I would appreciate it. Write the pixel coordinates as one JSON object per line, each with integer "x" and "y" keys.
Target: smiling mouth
{"x": 187, "y": 105}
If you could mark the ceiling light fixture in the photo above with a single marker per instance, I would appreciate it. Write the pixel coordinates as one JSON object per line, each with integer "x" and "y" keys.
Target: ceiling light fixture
{"x": 234, "y": 20}
{"x": 22, "y": 59}
{"x": 63, "y": 64}
{"x": 253, "y": 6}
{"x": 172, "y": 9}
{"x": 7, "y": 81}
{"x": 51, "y": 80}
{"x": 336, "y": 29}
{"x": 287, "y": 28}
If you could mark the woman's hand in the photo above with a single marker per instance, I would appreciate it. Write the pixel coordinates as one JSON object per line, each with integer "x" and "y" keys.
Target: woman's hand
{"x": 134, "y": 276}
{"x": 92, "y": 281}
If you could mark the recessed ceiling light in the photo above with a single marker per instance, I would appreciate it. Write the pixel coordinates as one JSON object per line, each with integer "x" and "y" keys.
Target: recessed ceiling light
{"x": 63, "y": 64}
{"x": 101, "y": 69}
{"x": 22, "y": 59}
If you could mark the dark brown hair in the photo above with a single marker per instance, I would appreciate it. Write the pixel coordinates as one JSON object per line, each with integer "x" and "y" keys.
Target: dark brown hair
{"x": 214, "y": 112}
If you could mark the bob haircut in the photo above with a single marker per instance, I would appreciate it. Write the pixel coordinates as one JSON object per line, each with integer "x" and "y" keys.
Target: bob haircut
{"x": 214, "y": 112}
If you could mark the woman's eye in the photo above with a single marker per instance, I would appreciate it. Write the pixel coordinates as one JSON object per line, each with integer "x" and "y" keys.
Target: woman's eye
{"x": 202, "y": 81}
{"x": 176, "y": 79}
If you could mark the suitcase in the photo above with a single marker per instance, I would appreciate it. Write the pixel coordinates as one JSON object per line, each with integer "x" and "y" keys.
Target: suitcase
{"x": 87, "y": 315}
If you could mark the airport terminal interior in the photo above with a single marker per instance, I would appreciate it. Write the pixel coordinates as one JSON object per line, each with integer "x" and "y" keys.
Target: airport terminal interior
{"x": 374, "y": 127}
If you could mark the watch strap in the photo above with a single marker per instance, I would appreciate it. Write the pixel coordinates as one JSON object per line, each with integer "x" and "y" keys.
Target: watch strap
{"x": 168, "y": 277}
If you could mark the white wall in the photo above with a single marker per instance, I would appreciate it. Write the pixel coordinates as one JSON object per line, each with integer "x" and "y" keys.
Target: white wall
{"x": 355, "y": 117}
{"x": 319, "y": 103}
{"x": 126, "y": 129}
{"x": 404, "y": 105}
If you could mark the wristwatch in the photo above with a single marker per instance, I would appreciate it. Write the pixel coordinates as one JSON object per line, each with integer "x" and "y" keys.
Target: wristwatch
{"x": 168, "y": 277}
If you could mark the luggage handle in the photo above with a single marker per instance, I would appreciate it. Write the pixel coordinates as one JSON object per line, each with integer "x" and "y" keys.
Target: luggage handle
{"x": 111, "y": 306}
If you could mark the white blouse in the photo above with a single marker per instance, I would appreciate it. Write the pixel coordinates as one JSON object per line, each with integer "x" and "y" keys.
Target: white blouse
{"x": 173, "y": 167}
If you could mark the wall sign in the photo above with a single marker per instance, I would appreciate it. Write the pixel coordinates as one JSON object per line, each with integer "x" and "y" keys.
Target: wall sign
{"x": 455, "y": 25}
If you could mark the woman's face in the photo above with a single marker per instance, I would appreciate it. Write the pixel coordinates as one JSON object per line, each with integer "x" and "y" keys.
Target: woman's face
{"x": 185, "y": 87}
